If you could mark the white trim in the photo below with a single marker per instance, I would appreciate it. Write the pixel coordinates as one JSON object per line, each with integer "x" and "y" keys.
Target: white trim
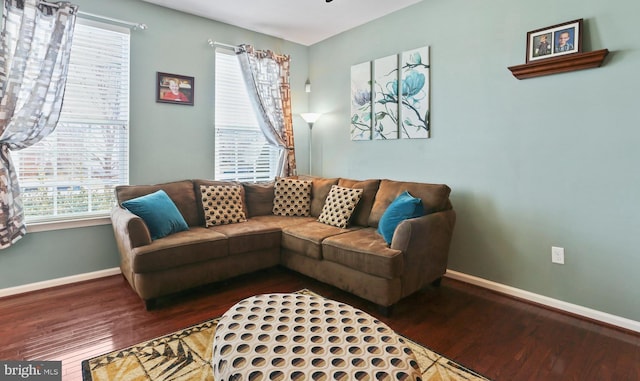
{"x": 67, "y": 224}
{"x": 544, "y": 300}
{"x": 58, "y": 282}
{"x": 480, "y": 282}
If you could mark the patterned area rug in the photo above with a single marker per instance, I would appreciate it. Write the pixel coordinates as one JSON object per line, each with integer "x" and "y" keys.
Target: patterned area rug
{"x": 185, "y": 356}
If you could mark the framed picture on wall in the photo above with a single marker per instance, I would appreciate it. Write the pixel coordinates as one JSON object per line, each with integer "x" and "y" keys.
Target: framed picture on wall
{"x": 174, "y": 88}
{"x": 554, "y": 41}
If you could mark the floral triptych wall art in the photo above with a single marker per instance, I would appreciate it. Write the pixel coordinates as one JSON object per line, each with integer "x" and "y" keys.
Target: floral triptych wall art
{"x": 390, "y": 97}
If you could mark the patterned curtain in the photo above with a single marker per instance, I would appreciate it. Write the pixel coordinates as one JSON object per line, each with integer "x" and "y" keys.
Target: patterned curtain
{"x": 266, "y": 75}
{"x": 34, "y": 54}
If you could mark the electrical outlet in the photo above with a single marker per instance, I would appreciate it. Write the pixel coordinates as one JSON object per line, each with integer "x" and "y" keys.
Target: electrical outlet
{"x": 557, "y": 255}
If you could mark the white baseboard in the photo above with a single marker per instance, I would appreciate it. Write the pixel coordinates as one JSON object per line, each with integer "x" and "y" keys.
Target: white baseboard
{"x": 480, "y": 282}
{"x": 58, "y": 282}
{"x": 604, "y": 317}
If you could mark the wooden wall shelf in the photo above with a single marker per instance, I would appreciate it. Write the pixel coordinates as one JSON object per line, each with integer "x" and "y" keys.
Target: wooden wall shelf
{"x": 571, "y": 62}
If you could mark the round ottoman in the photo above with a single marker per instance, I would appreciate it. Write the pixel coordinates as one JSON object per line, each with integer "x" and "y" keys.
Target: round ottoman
{"x": 305, "y": 337}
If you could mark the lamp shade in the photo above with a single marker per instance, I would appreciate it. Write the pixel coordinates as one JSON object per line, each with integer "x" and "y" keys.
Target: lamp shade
{"x": 310, "y": 117}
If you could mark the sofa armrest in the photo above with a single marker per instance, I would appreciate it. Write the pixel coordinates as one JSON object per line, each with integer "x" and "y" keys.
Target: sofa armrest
{"x": 129, "y": 229}
{"x": 425, "y": 243}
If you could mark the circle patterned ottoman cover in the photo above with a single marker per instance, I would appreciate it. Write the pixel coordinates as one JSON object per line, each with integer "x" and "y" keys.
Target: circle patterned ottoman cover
{"x": 302, "y": 337}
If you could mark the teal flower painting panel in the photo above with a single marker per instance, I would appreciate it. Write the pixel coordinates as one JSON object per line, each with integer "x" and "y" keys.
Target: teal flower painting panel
{"x": 361, "y": 108}
{"x": 385, "y": 101}
{"x": 414, "y": 96}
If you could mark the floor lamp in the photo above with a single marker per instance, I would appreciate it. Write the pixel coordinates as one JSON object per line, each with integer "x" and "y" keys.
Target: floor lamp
{"x": 310, "y": 118}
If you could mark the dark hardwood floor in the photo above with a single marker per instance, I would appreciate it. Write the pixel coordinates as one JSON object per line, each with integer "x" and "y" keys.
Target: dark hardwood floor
{"x": 499, "y": 337}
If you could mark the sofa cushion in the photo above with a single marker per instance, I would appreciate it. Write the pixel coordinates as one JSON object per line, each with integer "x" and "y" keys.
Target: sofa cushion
{"x": 181, "y": 193}
{"x": 435, "y": 197}
{"x": 282, "y": 221}
{"x": 222, "y": 204}
{"x": 403, "y": 207}
{"x": 249, "y": 236}
{"x": 292, "y": 197}
{"x": 364, "y": 250}
{"x": 339, "y": 206}
{"x": 306, "y": 238}
{"x": 320, "y": 189}
{"x": 258, "y": 198}
{"x": 195, "y": 245}
{"x": 370, "y": 187}
{"x": 159, "y": 213}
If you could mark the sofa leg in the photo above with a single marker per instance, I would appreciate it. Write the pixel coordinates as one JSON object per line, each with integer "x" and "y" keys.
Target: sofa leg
{"x": 437, "y": 282}
{"x": 385, "y": 311}
{"x": 150, "y": 304}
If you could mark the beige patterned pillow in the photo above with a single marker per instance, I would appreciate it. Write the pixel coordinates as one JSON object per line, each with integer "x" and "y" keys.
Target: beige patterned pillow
{"x": 222, "y": 204}
{"x": 292, "y": 197}
{"x": 339, "y": 206}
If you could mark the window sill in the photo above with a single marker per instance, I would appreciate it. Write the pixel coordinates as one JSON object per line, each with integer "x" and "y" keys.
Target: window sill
{"x": 67, "y": 224}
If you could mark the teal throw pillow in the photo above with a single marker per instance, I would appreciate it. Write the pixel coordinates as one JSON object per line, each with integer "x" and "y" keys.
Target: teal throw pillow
{"x": 159, "y": 213}
{"x": 403, "y": 207}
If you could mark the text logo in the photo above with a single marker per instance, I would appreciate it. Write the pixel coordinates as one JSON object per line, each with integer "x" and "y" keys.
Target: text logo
{"x": 31, "y": 370}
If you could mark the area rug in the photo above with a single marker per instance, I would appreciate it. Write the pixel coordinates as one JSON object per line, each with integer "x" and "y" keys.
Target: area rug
{"x": 185, "y": 356}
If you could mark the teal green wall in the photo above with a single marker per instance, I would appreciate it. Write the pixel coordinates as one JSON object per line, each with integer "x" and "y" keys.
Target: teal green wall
{"x": 168, "y": 142}
{"x": 532, "y": 163}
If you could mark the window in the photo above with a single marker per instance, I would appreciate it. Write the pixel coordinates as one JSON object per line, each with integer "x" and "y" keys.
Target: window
{"x": 241, "y": 151}
{"x": 71, "y": 174}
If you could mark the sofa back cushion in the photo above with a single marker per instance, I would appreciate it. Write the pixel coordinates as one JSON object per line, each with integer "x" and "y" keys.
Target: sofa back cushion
{"x": 259, "y": 198}
{"x": 435, "y": 197}
{"x": 369, "y": 187}
{"x": 180, "y": 192}
{"x": 320, "y": 188}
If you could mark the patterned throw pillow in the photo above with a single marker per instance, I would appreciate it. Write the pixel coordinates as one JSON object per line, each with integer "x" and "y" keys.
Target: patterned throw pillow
{"x": 292, "y": 197}
{"x": 339, "y": 206}
{"x": 222, "y": 204}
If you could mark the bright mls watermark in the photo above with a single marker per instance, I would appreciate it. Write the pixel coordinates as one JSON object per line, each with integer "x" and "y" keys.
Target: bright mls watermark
{"x": 30, "y": 370}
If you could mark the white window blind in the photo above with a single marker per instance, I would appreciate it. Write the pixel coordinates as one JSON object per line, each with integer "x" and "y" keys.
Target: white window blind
{"x": 72, "y": 173}
{"x": 241, "y": 151}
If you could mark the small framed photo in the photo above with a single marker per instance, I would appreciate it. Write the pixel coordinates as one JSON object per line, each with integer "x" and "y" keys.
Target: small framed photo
{"x": 554, "y": 41}
{"x": 174, "y": 88}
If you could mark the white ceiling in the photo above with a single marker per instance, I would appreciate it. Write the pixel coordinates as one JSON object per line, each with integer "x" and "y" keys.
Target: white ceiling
{"x": 303, "y": 21}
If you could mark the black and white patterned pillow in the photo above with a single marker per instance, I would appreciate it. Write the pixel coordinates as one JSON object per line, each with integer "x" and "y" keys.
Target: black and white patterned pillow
{"x": 292, "y": 197}
{"x": 222, "y": 204}
{"x": 339, "y": 206}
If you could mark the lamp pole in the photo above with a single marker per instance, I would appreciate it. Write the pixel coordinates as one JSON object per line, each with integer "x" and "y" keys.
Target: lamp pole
{"x": 310, "y": 144}
{"x": 310, "y": 118}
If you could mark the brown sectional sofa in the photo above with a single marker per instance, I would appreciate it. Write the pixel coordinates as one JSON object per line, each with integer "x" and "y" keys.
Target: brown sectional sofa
{"x": 355, "y": 259}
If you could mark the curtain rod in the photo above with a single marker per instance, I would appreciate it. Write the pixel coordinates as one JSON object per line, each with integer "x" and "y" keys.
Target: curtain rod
{"x": 132, "y": 25}
{"x": 213, "y": 44}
